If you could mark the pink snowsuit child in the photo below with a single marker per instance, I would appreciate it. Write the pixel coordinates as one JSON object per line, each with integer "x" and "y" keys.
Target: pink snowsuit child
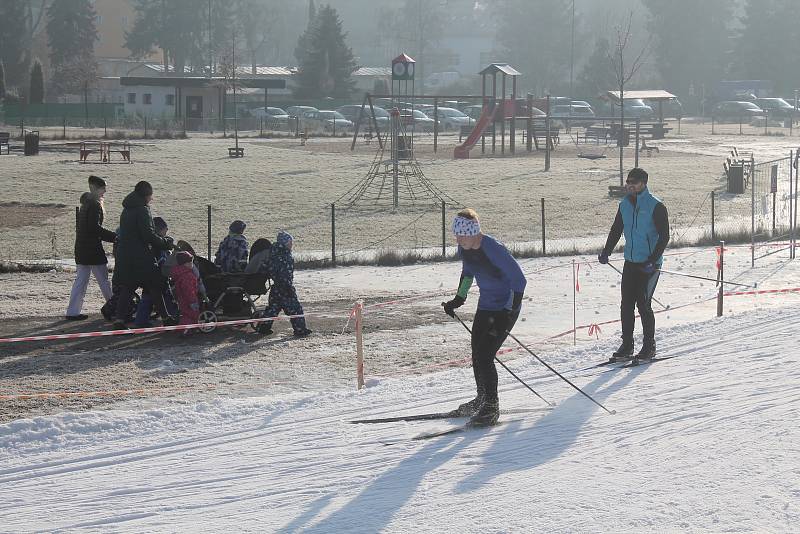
{"x": 186, "y": 283}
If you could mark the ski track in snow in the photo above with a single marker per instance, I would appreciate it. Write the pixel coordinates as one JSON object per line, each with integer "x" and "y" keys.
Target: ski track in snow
{"x": 705, "y": 441}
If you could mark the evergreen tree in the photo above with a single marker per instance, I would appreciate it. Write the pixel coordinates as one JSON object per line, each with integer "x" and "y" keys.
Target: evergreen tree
{"x": 71, "y": 32}
{"x": 326, "y": 62}
{"x": 312, "y": 12}
{"x": 2, "y": 82}
{"x": 534, "y": 37}
{"x": 13, "y": 52}
{"x": 36, "y": 93}
{"x": 596, "y": 77}
{"x": 692, "y": 41}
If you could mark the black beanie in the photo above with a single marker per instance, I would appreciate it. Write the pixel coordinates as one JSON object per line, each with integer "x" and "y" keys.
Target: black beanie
{"x": 97, "y": 181}
{"x": 144, "y": 188}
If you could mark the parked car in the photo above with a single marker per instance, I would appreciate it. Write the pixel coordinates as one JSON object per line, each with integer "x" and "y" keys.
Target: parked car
{"x": 450, "y": 118}
{"x": 326, "y": 120}
{"x": 775, "y": 107}
{"x": 736, "y": 111}
{"x": 671, "y": 108}
{"x": 418, "y": 119}
{"x": 297, "y": 111}
{"x": 573, "y": 115}
{"x": 272, "y": 114}
{"x": 351, "y": 112}
{"x": 635, "y": 108}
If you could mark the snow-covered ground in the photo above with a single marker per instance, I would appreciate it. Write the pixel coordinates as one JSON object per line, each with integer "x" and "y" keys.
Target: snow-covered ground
{"x": 705, "y": 441}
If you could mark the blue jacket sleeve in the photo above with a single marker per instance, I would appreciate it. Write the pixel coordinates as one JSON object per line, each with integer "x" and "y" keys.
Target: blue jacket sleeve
{"x": 502, "y": 258}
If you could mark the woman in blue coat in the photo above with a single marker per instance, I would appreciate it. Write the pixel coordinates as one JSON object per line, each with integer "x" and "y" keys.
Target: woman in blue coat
{"x": 501, "y": 282}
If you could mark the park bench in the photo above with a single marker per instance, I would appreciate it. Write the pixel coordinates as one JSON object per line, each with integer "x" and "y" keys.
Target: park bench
{"x": 236, "y": 152}
{"x": 4, "y": 142}
{"x": 540, "y": 135}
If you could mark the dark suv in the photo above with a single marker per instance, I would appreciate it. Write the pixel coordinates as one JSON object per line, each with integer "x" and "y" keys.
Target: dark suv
{"x": 775, "y": 107}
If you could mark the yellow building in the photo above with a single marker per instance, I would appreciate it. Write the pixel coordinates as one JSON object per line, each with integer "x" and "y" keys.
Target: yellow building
{"x": 114, "y": 18}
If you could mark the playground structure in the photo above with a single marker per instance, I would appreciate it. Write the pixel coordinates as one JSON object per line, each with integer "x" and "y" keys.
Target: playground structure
{"x": 409, "y": 184}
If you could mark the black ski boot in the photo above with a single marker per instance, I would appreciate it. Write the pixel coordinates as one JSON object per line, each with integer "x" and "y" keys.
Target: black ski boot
{"x": 623, "y": 353}
{"x": 648, "y": 352}
{"x": 469, "y": 408}
{"x": 487, "y": 415}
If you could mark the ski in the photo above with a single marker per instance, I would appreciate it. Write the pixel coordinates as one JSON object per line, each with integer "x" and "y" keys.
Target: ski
{"x": 436, "y": 415}
{"x": 636, "y": 363}
{"x": 457, "y": 430}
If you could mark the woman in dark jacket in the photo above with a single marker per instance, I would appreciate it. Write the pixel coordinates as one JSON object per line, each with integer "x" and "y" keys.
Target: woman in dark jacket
{"x": 135, "y": 262}
{"x": 90, "y": 258}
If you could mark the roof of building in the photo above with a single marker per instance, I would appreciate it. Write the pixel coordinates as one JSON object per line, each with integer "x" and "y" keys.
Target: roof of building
{"x": 504, "y": 68}
{"x": 373, "y": 71}
{"x": 198, "y": 81}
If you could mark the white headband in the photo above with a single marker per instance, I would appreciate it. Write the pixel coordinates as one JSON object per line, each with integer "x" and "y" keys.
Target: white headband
{"x": 466, "y": 227}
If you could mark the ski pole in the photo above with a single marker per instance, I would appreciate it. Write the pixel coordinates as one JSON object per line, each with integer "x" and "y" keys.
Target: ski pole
{"x": 562, "y": 377}
{"x": 653, "y": 298}
{"x": 504, "y": 365}
{"x": 709, "y": 279}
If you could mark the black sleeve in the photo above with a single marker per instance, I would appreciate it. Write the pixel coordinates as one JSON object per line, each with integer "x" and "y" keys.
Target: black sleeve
{"x": 614, "y": 234}
{"x": 661, "y": 222}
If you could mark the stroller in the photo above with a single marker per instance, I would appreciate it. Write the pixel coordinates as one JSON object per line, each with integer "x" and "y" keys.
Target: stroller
{"x": 230, "y": 295}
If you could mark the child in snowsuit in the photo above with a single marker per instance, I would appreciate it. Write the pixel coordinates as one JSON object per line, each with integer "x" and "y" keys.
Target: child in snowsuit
{"x": 502, "y": 285}
{"x": 186, "y": 285}
{"x": 232, "y": 252}
{"x": 282, "y": 295}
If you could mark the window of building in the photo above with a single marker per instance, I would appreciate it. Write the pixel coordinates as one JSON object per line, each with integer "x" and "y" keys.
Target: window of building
{"x": 99, "y": 20}
{"x": 131, "y": 98}
{"x": 124, "y": 21}
{"x": 147, "y": 99}
{"x": 169, "y": 100}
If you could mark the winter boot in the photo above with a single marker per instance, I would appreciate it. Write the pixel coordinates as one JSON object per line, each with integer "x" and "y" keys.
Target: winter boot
{"x": 487, "y": 415}
{"x": 468, "y": 409}
{"x": 648, "y": 351}
{"x": 623, "y": 353}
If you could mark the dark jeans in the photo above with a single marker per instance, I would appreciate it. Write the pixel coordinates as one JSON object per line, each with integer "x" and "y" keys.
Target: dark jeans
{"x": 154, "y": 289}
{"x": 637, "y": 290}
{"x": 489, "y": 331}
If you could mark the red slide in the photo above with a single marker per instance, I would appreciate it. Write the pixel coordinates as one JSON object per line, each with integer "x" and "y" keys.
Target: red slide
{"x": 486, "y": 118}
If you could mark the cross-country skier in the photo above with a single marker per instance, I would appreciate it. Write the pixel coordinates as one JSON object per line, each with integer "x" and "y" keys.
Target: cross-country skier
{"x": 644, "y": 221}
{"x": 501, "y": 284}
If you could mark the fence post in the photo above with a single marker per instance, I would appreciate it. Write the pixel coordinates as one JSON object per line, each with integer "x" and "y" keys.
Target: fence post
{"x": 184, "y": 126}
{"x": 359, "y": 344}
{"x": 208, "y": 234}
{"x": 444, "y": 236}
{"x": 713, "y": 199}
{"x": 105, "y": 128}
{"x": 333, "y": 233}
{"x": 261, "y": 128}
{"x": 752, "y": 214}
{"x": 721, "y": 290}
{"x": 64, "y": 129}
{"x": 145, "y": 127}
{"x": 544, "y": 250}
{"x": 574, "y": 306}
{"x": 636, "y": 152}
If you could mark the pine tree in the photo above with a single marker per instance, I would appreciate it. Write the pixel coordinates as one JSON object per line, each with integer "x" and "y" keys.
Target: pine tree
{"x": 13, "y": 52}
{"x": 326, "y": 62}
{"x": 312, "y": 12}
{"x": 71, "y": 31}
{"x": 36, "y": 93}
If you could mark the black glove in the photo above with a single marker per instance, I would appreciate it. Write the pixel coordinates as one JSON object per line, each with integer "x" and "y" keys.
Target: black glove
{"x": 602, "y": 257}
{"x": 450, "y": 306}
{"x": 170, "y": 243}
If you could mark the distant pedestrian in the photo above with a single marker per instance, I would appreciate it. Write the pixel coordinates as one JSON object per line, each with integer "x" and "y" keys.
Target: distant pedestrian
{"x": 90, "y": 257}
{"x": 644, "y": 220}
{"x": 282, "y": 294}
{"x": 502, "y": 286}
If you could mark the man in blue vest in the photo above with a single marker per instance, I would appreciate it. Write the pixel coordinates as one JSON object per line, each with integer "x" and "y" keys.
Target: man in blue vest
{"x": 644, "y": 221}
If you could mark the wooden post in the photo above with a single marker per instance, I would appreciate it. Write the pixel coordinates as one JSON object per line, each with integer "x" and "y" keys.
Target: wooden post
{"x": 333, "y": 233}
{"x": 512, "y": 141}
{"x": 544, "y": 250}
{"x": 435, "y": 124}
{"x": 208, "y": 234}
{"x": 444, "y": 234}
{"x": 547, "y": 142}
{"x": 359, "y": 344}
{"x": 720, "y": 293}
{"x": 636, "y": 153}
{"x": 713, "y": 201}
{"x": 529, "y": 141}
{"x": 502, "y": 115}
{"x": 574, "y": 305}
{"x": 64, "y": 129}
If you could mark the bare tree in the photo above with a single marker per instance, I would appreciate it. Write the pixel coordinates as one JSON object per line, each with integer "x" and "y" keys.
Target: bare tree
{"x": 623, "y": 73}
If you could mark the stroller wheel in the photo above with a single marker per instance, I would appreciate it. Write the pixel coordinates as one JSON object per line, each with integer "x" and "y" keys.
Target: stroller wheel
{"x": 208, "y": 316}
{"x": 256, "y": 315}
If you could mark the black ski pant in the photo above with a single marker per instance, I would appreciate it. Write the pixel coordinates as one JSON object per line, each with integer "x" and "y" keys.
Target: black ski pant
{"x": 489, "y": 331}
{"x": 637, "y": 290}
{"x": 154, "y": 288}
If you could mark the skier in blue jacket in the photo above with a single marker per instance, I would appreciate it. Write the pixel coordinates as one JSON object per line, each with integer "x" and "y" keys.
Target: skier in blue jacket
{"x": 644, "y": 220}
{"x": 502, "y": 285}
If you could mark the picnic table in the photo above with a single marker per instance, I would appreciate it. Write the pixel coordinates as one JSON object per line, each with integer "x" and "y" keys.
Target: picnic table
{"x": 104, "y": 149}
